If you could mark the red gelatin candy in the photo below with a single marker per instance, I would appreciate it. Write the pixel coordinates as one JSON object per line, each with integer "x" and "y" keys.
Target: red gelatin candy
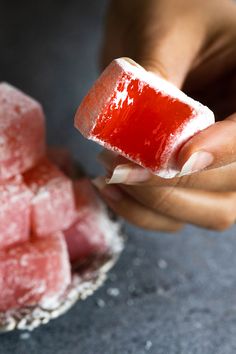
{"x": 34, "y": 272}
{"x": 15, "y": 200}
{"x": 22, "y": 132}
{"x": 91, "y": 233}
{"x": 141, "y": 116}
{"x": 53, "y": 205}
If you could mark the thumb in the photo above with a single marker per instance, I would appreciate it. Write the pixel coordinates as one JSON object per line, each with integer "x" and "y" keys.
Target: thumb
{"x": 211, "y": 148}
{"x": 164, "y": 40}
{"x": 172, "y": 54}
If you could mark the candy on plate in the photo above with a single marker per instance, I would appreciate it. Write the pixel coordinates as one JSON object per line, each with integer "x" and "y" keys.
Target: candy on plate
{"x": 22, "y": 131}
{"x": 15, "y": 200}
{"x": 34, "y": 272}
{"x": 91, "y": 233}
{"x": 53, "y": 205}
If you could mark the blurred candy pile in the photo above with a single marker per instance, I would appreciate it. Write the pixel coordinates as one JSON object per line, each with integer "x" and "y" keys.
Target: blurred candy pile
{"x": 48, "y": 220}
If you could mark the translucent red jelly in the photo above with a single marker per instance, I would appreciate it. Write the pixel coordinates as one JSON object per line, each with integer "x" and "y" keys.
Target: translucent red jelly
{"x": 142, "y": 124}
{"x": 141, "y": 116}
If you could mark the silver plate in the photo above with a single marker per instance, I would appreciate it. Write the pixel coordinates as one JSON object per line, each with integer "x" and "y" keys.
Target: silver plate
{"x": 86, "y": 279}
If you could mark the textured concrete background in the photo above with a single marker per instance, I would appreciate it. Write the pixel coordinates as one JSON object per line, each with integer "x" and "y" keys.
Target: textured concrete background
{"x": 175, "y": 294}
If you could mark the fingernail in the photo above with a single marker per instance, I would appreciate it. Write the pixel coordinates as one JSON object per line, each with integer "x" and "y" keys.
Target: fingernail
{"x": 197, "y": 162}
{"x": 128, "y": 174}
{"x": 110, "y": 192}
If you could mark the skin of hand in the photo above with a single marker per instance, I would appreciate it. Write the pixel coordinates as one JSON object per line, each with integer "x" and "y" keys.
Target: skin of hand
{"x": 191, "y": 43}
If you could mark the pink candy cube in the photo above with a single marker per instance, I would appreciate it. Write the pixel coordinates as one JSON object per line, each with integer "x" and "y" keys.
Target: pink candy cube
{"x": 91, "y": 233}
{"x": 22, "y": 133}
{"x": 34, "y": 272}
{"x": 53, "y": 206}
{"x": 141, "y": 116}
{"x": 15, "y": 199}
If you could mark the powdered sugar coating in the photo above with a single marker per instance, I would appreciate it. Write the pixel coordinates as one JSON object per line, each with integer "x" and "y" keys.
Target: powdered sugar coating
{"x": 22, "y": 132}
{"x": 106, "y": 93}
{"x": 93, "y": 231}
{"x": 15, "y": 200}
{"x": 53, "y": 205}
{"x": 34, "y": 272}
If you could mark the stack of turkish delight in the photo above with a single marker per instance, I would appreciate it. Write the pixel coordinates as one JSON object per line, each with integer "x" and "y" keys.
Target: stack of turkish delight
{"x": 47, "y": 221}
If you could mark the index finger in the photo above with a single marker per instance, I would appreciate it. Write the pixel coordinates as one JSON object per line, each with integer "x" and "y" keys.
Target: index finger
{"x": 125, "y": 172}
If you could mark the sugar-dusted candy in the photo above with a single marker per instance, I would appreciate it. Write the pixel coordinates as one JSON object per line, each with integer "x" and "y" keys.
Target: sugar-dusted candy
{"x": 15, "y": 199}
{"x": 91, "y": 233}
{"x": 53, "y": 205}
{"x": 22, "y": 132}
{"x": 36, "y": 272}
{"x": 141, "y": 116}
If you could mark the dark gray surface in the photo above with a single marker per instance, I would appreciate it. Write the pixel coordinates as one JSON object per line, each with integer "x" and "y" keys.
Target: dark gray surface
{"x": 175, "y": 294}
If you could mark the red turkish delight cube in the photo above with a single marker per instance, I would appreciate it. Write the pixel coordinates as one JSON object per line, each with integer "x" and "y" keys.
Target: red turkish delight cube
{"x": 15, "y": 199}
{"x": 91, "y": 234}
{"x": 53, "y": 205}
{"x": 22, "y": 132}
{"x": 141, "y": 116}
{"x": 34, "y": 272}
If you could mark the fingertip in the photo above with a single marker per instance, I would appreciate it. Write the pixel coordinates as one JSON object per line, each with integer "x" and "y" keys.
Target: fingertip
{"x": 195, "y": 155}
{"x": 196, "y": 162}
{"x": 129, "y": 174}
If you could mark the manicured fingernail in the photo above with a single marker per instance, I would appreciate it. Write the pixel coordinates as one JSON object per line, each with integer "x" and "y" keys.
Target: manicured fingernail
{"x": 107, "y": 159}
{"x": 110, "y": 192}
{"x": 128, "y": 174}
{"x": 197, "y": 162}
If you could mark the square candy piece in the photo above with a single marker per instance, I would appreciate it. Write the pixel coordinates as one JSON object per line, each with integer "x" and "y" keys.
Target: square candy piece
{"x": 22, "y": 133}
{"x": 34, "y": 272}
{"x": 53, "y": 205}
{"x": 15, "y": 199}
{"x": 92, "y": 232}
{"x": 141, "y": 116}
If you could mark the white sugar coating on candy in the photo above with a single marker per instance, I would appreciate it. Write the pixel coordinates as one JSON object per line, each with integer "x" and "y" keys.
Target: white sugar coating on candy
{"x": 15, "y": 199}
{"x": 53, "y": 205}
{"x": 22, "y": 131}
{"x": 93, "y": 231}
{"x": 106, "y": 93}
{"x": 193, "y": 126}
{"x": 36, "y": 272}
{"x": 88, "y": 200}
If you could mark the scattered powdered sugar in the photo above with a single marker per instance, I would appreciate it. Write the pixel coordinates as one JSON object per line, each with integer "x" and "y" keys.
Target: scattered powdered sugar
{"x": 100, "y": 303}
{"x": 114, "y": 292}
{"x": 25, "y": 335}
{"x": 148, "y": 345}
{"x": 162, "y": 264}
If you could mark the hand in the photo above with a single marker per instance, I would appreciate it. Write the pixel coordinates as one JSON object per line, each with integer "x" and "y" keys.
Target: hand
{"x": 193, "y": 44}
